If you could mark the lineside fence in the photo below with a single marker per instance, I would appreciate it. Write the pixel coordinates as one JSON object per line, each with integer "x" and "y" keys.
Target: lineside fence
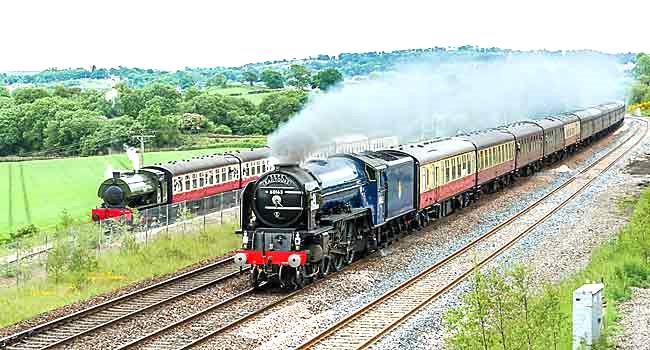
{"x": 24, "y": 258}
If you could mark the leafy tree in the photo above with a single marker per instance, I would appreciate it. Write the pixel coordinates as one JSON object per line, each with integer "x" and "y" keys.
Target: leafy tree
{"x": 299, "y": 76}
{"x": 35, "y": 116}
{"x": 639, "y": 93}
{"x": 222, "y": 130}
{"x": 113, "y": 133}
{"x": 10, "y": 132}
{"x": 95, "y": 101}
{"x": 4, "y": 92}
{"x": 259, "y": 124}
{"x": 250, "y": 76}
{"x": 129, "y": 101}
{"x": 6, "y": 102}
{"x": 218, "y": 80}
{"x": 62, "y": 91}
{"x": 281, "y": 106}
{"x": 183, "y": 79}
{"x": 29, "y": 95}
{"x": 327, "y": 78}
{"x": 273, "y": 79}
{"x": 641, "y": 70}
{"x": 167, "y": 97}
{"x": 69, "y": 127}
{"x": 193, "y": 122}
{"x": 219, "y": 109}
{"x": 191, "y": 93}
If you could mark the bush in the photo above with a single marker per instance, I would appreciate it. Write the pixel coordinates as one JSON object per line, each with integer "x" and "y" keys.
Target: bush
{"x": 24, "y": 232}
{"x": 620, "y": 264}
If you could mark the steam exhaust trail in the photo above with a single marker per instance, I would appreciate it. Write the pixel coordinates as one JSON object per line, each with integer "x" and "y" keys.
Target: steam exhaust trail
{"x": 132, "y": 153}
{"x": 429, "y": 99}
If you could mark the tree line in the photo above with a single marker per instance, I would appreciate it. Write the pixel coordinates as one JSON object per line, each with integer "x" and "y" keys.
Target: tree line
{"x": 71, "y": 121}
{"x": 640, "y": 90}
{"x": 348, "y": 64}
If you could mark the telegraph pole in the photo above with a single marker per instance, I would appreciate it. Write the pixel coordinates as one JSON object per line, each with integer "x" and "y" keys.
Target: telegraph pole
{"x": 142, "y": 138}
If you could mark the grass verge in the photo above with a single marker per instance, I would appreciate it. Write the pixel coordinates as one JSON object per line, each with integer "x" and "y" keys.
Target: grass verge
{"x": 504, "y": 312}
{"x": 85, "y": 275}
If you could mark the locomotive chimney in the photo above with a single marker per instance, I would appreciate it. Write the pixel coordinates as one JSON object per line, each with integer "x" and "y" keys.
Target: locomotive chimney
{"x": 286, "y": 165}
{"x": 116, "y": 174}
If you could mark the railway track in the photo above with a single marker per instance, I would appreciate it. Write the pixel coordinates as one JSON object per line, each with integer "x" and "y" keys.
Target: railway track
{"x": 217, "y": 319}
{"x": 366, "y": 326}
{"x": 68, "y": 328}
{"x": 205, "y": 324}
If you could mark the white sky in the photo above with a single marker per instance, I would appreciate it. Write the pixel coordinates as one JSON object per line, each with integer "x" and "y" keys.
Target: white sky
{"x": 174, "y": 34}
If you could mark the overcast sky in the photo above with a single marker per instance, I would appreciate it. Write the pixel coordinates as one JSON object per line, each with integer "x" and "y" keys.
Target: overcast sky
{"x": 175, "y": 34}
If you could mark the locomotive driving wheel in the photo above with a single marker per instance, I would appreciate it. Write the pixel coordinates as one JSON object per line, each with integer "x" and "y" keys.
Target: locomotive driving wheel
{"x": 340, "y": 260}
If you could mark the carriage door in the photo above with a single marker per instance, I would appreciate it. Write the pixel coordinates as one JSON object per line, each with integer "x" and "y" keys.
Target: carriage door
{"x": 436, "y": 187}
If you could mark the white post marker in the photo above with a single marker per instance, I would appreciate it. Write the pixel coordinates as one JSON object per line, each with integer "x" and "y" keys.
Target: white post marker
{"x": 587, "y": 315}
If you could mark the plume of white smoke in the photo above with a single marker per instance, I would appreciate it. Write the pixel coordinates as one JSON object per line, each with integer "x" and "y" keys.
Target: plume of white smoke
{"x": 429, "y": 99}
{"x": 108, "y": 171}
{"x": 132, "y": 153}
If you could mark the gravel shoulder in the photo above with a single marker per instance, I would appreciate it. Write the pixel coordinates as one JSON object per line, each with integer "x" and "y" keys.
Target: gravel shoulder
{"x": 634, "y": 322}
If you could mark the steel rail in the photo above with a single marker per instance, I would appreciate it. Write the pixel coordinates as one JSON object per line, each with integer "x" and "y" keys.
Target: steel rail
{"x": 349, "y": 321}
{"x": 62, "y": 330}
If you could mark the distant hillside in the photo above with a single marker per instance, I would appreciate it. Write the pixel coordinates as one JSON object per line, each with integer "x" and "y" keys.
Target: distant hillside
{"x": 349, "y": 64}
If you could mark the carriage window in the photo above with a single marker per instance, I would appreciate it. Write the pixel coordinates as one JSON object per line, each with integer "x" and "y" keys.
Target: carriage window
{"x": 194, "y": 181}
{"x": 263, "y": 166}
{"x": 223, "y": 174}
{"x": 258, "y": 167}
{"x": 428, "y": 178}
{"x": 458, "y": 165}
{"x": 423, "y": 186}
{"x": 246, "y": 170}
{"x": 178, "y": 184}
{"x": 187, "y": 183}
{"x": 446, "y": 174}
{"x": 211, "y": 177}
{"x": 453, "y": 169}
{"x": 201, "y": 179}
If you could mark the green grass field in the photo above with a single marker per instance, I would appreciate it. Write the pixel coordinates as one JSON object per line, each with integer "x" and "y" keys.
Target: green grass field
{"x": 243, "y": 90}
{"x": 36, "y": 192}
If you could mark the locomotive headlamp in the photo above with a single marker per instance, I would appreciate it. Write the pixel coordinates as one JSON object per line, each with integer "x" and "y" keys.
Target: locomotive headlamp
{"x": 294, "y": 260}
{"x": 240, "y": 259}
{"x": 244, "y": 238}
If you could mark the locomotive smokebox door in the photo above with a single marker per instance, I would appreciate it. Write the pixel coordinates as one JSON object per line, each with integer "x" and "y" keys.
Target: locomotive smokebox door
{"x": 279, "y": 200}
